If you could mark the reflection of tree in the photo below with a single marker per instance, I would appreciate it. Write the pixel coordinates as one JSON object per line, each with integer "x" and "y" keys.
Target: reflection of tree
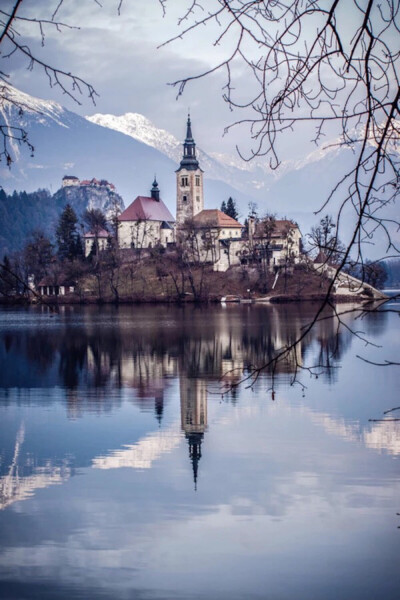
{"x": 72, "y": 359}
{"x": 142, "y": 348}
{"x": 374, "y": 320}
{"x": 40, "y": 350}
{"x": 331, "y": 343}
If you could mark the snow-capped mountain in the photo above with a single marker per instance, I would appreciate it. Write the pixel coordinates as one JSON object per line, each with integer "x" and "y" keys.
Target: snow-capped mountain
{"x": 226, "y": 167}
{"x": 143, "y": 130}
{"x": 127, "y": 150}
{"x": 231, "y": 170}
{"x": 68, "y": 144}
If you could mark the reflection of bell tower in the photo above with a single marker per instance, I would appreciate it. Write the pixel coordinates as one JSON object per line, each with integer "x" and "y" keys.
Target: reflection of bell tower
{"x": 194, "y": 417}
{"x": 189, "y": 181}
{"x": 159, "y": 406}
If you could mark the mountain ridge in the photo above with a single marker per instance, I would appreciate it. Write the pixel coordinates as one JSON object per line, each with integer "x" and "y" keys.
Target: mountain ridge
{"x": 66, "y": 143}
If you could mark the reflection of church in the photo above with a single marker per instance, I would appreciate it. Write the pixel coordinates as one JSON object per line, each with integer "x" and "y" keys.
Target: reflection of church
{"x": 193, "y": 417}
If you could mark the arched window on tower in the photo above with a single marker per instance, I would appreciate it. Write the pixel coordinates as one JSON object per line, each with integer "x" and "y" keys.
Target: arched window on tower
{"x": 197, "y": 180}
{"x": 184, "y": 198}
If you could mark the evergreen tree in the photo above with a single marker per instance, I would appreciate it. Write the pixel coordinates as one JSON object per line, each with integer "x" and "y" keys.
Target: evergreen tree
{"x": 96, "y": 220}
{"x": 7, "y": 280}
{"x": 231, "y": 210}
{"x": 38, "y": 255}
{"x": 223, "y": 206}
{"x": 68, "y": 239}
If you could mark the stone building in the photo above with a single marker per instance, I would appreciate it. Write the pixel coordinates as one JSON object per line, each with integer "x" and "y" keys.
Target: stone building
{"x": 90, "y": 237}
{"x": 69, "y": 180}
{"x": 208, "y": 234}
{"x": 279, "y": 239}
{"x": 56, "y": 286}
{"x": 146, "y": 222}
{"x": 189, "y": 181}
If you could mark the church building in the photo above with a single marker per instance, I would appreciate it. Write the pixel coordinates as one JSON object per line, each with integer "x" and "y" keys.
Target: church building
{"x": 207, "y": 235}
{"x": 146, "y": 222}
{"x": 201, "y": 231}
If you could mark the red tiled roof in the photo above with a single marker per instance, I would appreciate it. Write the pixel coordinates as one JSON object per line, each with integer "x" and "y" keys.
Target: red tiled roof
{"x": 102, "y": 233}
{"x": 281, "y": 228}
{"x": 215, "y": 218}
{"x": 146, "y": 209}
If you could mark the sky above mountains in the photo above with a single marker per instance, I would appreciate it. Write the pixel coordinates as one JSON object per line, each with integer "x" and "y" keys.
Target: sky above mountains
{"x": 120, "y": 55}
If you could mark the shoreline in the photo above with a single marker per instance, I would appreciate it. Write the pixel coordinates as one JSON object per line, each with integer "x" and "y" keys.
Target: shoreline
{"x": 275, "y": 299}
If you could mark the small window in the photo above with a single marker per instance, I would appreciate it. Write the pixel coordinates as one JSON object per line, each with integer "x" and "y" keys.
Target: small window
{"x": 198, "y": 180}
{"x": 184, "y": 181}
{"x": 184, "y": 198}
{"x": 197, "y": 198}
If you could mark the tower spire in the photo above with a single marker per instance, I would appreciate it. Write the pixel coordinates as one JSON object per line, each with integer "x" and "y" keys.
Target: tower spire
{"x": 195, "y": 440}
{"x": 189, "y": 180}
{"x": 189, "y": 160}
{"x": 189, "y": 136}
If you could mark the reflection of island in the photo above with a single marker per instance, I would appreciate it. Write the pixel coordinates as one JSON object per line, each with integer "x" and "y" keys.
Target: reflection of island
{"x": 193, "y": 402}
{"x": 143, "y": 351}
{"x": 144, "y": 356}
{"x": 23, "y": 477}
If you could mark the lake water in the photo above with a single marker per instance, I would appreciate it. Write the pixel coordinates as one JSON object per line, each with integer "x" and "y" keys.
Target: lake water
{"x": 125, "y": 473}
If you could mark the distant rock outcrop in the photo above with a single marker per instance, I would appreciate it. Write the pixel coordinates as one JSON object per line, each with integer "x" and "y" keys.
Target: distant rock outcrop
{"x": 21, "y": 213}
{"x": 86, "y": 196}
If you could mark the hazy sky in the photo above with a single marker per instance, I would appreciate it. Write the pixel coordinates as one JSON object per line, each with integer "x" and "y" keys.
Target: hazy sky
{"x": 118, "y": 55}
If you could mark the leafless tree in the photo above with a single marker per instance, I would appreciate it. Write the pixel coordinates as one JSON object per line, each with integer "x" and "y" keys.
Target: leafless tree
{"x": 331, "y": 65}
{"x": 197, "y": 248}
{"x": 143, "y": 234}
{"x": 319, "y": 62}
{"x": 13, "y": 42}
{"x": 323, "y": 240}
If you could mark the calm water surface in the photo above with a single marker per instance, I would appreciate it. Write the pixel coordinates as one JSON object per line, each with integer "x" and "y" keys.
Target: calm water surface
{"x": 125, "y": 474}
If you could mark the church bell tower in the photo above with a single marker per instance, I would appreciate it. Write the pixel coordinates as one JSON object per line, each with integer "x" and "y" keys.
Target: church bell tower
{"x": 189, "y": 181}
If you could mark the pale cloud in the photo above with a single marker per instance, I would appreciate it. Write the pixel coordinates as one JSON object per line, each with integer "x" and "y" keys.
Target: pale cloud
{"x": 120, "y": 56}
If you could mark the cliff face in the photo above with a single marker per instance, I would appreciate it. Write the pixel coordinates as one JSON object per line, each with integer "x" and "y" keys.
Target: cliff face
{"x": 82, "y": 197}
{"x": 22, "y": 213}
